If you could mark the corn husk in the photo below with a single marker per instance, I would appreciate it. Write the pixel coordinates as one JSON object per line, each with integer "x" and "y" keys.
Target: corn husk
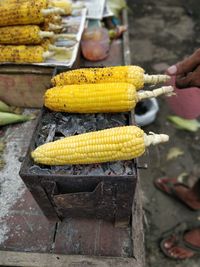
{"x": 180, "y": 123}
{"x": 9, "y": 118}
{"x": 4, "y": 107}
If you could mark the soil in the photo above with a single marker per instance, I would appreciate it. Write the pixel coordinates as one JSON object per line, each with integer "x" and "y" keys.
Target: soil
{"x": 161, "y": 34}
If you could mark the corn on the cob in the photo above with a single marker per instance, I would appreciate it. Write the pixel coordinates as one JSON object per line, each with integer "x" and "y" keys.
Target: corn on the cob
{"x": 29, "y": 12}
{"x": 53, "y": 19}
{"x": 24, "y": 34}
{"x": 129, "y": 74}
{"x": 120, "y": 143}
{"x": 46, "y": 43}
{"x": 94, "y": 98}
{"x": 23, "y": 54}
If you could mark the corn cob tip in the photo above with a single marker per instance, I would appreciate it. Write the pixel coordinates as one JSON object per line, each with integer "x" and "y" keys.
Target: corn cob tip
{"x": 154, "y": 139}
{"x": 165, "y": 90}
{"x": 53, "y": 10}
{"x": 46, "y": 34}
{"x": 67, "y": 36}
{"x": 48, "y": 54}
{"x": 59, "y": 48}
{"x": 54, "y": 27}
{"x": 154, "y": 79}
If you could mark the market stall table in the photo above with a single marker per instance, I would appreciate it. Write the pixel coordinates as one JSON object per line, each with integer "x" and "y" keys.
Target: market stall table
{"x": 27, "y": 238}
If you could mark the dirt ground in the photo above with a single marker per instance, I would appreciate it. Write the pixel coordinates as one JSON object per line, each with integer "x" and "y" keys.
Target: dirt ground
{"x": 162, "y": 33}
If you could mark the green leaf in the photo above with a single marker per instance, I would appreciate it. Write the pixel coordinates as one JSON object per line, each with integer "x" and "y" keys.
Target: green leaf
{"x": 183, "y": 124}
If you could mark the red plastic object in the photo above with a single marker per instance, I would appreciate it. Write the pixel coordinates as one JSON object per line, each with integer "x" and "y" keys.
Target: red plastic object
{"x": 186, "y": 102}
{"x": 95, "y": 44}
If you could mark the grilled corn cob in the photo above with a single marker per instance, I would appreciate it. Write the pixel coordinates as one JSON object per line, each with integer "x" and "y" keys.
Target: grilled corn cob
{"x": 23, "y": 54}
{"x": 29, "y": 12}
{"x": 130, "y": 74}
{"x": 120, "y": 143}
{"x": 94, "y": 98}
{"x": 25, "y": 34}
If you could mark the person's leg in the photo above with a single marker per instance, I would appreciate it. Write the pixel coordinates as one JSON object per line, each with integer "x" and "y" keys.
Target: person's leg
{"x": 190, "y": 196}
{"x": 174, "y": 249}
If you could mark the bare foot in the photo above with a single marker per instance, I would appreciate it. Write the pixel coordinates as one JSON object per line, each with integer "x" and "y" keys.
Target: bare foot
{"x": 172, "y": 248}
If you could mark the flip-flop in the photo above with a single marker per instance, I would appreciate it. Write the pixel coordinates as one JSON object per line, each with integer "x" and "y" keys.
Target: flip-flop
{"x": 168, "y": 187}
{"x": 178, "y": 233}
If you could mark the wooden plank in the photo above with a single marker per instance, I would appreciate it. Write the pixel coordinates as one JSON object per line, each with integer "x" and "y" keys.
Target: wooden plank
{"x": 126, "y": 47}
{"x": 8, "y": 258}
{"x": 137, "y": 227}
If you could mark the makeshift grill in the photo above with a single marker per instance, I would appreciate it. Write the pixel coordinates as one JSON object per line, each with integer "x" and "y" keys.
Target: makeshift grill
{"x": 102, "y": 191}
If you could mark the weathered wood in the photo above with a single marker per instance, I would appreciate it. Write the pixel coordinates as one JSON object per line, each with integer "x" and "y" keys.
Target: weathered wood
{"x": 137, "y": 227}
{"x": 8, "y": 258}
{"x": 126, "y": 47}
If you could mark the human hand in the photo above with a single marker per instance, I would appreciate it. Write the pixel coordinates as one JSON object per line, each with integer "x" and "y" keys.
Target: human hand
{"x": 187, "y": 71}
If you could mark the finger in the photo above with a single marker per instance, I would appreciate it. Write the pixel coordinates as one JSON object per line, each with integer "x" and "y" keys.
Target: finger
{"x": 185, "y": 66}
{"x": 189, "y": 64}
{"x": 191, "y": 80}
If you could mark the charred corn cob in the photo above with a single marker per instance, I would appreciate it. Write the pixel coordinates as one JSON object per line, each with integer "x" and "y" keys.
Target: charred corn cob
{"x": 24, "y": 34}
{"x": 23, "y": 54}
{"x": 29, "y": 12}
{"x": 120, "y": 143}
{"x": 46, "y": 43}
{"x": 129, "y": 74}
{"x": 94, "y": 98}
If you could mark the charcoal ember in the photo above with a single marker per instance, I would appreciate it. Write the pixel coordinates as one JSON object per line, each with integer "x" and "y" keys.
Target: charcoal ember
{"x": 120, "y": 119}
{"x": 51, "y": 134}
{"x": 35, "y": 169}
{"x": 117, "y": 167}
{"x": 128, "y": 167}
{"x": 44, "y": 132}
{"x": 109, "y": 120}
{"x": 96, "y": 170}
{"x": 67, "y": 128}
{"x": 59, "y": 117}
{"x": 48, "y": 118}
{"x": 86, "y": 123}
{"x": 65, "y": 169}
{"x": 82, "y": 169}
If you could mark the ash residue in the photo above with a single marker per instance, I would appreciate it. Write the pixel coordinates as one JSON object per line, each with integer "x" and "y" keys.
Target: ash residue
{"x": 57, "y": 125}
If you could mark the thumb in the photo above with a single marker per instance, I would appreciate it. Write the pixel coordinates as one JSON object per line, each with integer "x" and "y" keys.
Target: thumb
{"x": 172, "y": 70}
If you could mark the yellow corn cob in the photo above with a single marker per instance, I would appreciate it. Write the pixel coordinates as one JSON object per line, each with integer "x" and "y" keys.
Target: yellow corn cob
{"x": 29, "y": 12}
{"x": 53, "y": 19}
{"x": 94, "y": 98}
{"x": 46, "y": 43}
{"x": 120, "y": 143}
{"x": 8, "y": 2}
{"x": 23, "y": 54}
{"x": 129, "y": 74}
{"x": 24, "y": 34}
